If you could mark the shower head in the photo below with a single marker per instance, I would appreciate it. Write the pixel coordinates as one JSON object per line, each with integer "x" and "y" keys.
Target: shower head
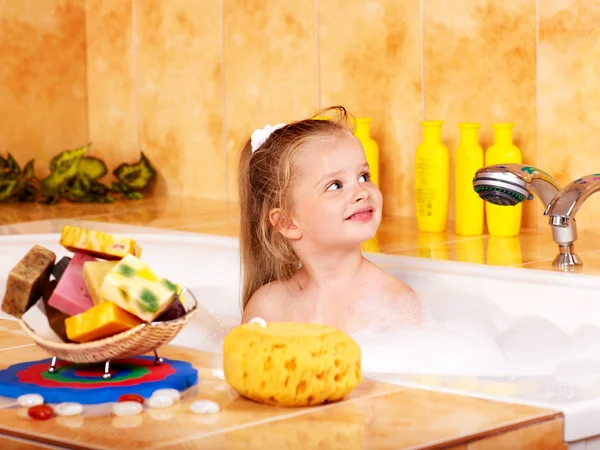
{"x": 502, "y": 189}
{"x": 511, "y": 184}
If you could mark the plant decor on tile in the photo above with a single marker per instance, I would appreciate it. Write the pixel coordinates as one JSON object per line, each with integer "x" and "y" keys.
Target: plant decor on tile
{"x": 74, "y": 177}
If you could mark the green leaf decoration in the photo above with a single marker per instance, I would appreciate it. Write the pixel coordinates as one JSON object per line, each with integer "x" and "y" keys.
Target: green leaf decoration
{"x": 28, "y": 172}
{"x": 92, "y": 168}
{"x": 136, "y": 176}
{"x": 74, "y": 177}
{"x": 7, "y": 188}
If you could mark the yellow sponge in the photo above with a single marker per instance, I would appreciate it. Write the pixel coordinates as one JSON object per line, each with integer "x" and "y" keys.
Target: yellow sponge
{"x": 291, "y": 364}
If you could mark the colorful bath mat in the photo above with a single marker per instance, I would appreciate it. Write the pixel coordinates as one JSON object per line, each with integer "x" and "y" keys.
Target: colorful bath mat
{"x": 83, "y": 383}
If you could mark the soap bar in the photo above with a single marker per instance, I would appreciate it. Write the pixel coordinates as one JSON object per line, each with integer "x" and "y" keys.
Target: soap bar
{"x": 173, "y": 312}
{"x": 71, "y": 296}
{"x": 94, "y": 273}
{"x": 60, "y": 267}
{"x": 36, "y": 319}
{"x": 135, "y": 288}
{"x": 98, "y": 244}
{"x": 26, "y": 281}
{"x": 100, "y": 321}
{"x": 55, "y": 318}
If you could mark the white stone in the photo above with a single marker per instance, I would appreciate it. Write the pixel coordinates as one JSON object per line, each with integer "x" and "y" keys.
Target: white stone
{"x": 219, "y": 374}
{"x": 204, "y": 407}
{"x": 173, "y": 393}
{"x": 258, "y": 320}
{"x": 69, "y": 409}
{"x": 127, "y": 409}
{"x": 28, "y": 400}
{"x": 160, "y": 401}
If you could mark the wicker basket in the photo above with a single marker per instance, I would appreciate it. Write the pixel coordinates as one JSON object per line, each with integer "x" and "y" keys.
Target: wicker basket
{"x": 144, "y": 338}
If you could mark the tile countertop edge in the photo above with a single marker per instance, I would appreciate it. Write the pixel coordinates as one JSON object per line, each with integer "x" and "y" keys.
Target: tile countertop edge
{"x": 465, "y": 440}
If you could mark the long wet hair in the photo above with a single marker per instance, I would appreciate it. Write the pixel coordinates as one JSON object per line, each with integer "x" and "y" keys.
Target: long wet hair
{"x": 265, "y": 181}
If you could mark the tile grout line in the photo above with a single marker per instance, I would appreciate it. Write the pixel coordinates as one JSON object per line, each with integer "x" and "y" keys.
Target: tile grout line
{"x": 301, "y": 412}
{"x": 223, "y": 102}
{"x": 537, "y": 96}
{"x": 422, "y": 18}
{"x": 136, "y": 80}
{"x": 318, "y": 48}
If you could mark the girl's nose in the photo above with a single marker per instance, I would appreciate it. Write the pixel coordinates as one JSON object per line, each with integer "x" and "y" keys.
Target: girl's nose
{"x": 361, "y": 194}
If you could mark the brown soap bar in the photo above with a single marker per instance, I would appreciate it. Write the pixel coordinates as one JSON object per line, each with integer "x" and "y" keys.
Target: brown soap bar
{"x": 27, "y": 281}
{"x": 174, "y": 311}
{"x": 56, "y": 318}
{"x": 60, "y": 267}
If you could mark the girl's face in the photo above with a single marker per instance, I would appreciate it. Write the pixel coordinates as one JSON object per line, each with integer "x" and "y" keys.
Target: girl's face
{"x": 335, "y": 202}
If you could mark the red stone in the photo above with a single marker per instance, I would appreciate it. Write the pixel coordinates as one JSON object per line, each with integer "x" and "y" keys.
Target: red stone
{"x": 131, "y": 398}
{"x": 40, "y": 412}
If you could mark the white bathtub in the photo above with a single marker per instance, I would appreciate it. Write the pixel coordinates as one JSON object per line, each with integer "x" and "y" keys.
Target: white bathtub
{"x": 209, "y": 266}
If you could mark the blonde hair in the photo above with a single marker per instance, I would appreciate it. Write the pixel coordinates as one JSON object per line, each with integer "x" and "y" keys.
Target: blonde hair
{"x": 265, "y": 180}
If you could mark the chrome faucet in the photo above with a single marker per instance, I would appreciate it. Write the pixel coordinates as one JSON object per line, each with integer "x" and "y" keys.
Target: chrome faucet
{"x": 511, "y": 184}
{"x": 562, "y": 210}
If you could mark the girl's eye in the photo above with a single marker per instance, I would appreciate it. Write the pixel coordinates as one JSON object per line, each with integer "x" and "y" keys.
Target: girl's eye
{"x": 334, "y": 186}
{"x": 365, "y": 177}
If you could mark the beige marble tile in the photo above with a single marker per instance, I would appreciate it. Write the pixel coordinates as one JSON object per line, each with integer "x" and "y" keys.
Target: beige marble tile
{"x": 480, "y": 66}
{"x": 111, "y": 82}
{"x": 270, "y": 69}
{"x": 547, "y": 435}
{"x": 180, "y": 95}
{"x": 569, "y": 113}
{"x": 371, "y": 63}
{"x": 42, "y": 79}
{"x": 410, "y": 418}
{"x": 148, "y": 430}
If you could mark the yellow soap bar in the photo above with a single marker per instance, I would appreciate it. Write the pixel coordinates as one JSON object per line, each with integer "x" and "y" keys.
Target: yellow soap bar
{"x": 98, "y": 244}
{"x": 133, "y": 286}
{"x": 94, "y": 273}
{"x": 100, "y": 321}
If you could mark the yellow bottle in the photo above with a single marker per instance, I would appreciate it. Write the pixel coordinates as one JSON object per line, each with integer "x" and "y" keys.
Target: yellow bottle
{"x": 468, "y": 159}
{"x": 503, "y": 221}
{"x": 432, "y": 179}
{"x": 363, "y": 133}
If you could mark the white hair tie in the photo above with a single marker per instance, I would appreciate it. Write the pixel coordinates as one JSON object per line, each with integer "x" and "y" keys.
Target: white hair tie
{"x": 260, "y": 135}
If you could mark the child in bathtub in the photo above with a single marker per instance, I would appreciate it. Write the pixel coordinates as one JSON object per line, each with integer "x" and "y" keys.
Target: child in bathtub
{"x": 307, "y": 204}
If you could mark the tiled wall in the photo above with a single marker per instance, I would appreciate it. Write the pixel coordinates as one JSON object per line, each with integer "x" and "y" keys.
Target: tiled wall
{"x": 186, "y": 81}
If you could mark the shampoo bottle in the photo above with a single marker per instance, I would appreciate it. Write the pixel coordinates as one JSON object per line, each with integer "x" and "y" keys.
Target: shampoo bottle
{"x": 468, "y": 159}
{"x": 503, "y": 221}
{"x": 432, "y": 179}
{"x": 363, "y": 133}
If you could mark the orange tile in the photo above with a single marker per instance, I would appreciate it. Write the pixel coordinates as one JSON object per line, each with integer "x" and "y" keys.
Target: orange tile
{"x": 270, "y": 69}
{"x": 371, "y": 63}
{"x": 410, "y": 418}
{"x": 180, "y": 95}
{"x": 569, "y": 64}
{"x": 148, "y": 430}
{"x": 546, "y": 435}
{"x": 43, "y": 83}
{"x": 480, "y": 67}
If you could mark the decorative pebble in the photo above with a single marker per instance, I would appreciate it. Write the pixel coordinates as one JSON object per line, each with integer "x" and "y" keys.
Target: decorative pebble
{"x": 127, "y": 408}
{"x": 40, "y": 412}
{"x": 173, "y": 393}
{"x": 131, "y": 398}
{"x": 219, "y": 374}
{"x": 204, "y": 407}
{"x": 259, "y": 320}
{"x": 160, "y": 401}
{"x": 28, "y": 400}
{"x": 69, "y": 409}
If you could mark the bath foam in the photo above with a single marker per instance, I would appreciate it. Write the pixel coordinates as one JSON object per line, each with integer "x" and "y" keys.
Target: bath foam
{"x": 291, "y": 364}
{"x": 70, "y": 295}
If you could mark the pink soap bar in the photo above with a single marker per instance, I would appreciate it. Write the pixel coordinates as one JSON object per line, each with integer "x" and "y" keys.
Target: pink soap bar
{"x": 71, "y": 295}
